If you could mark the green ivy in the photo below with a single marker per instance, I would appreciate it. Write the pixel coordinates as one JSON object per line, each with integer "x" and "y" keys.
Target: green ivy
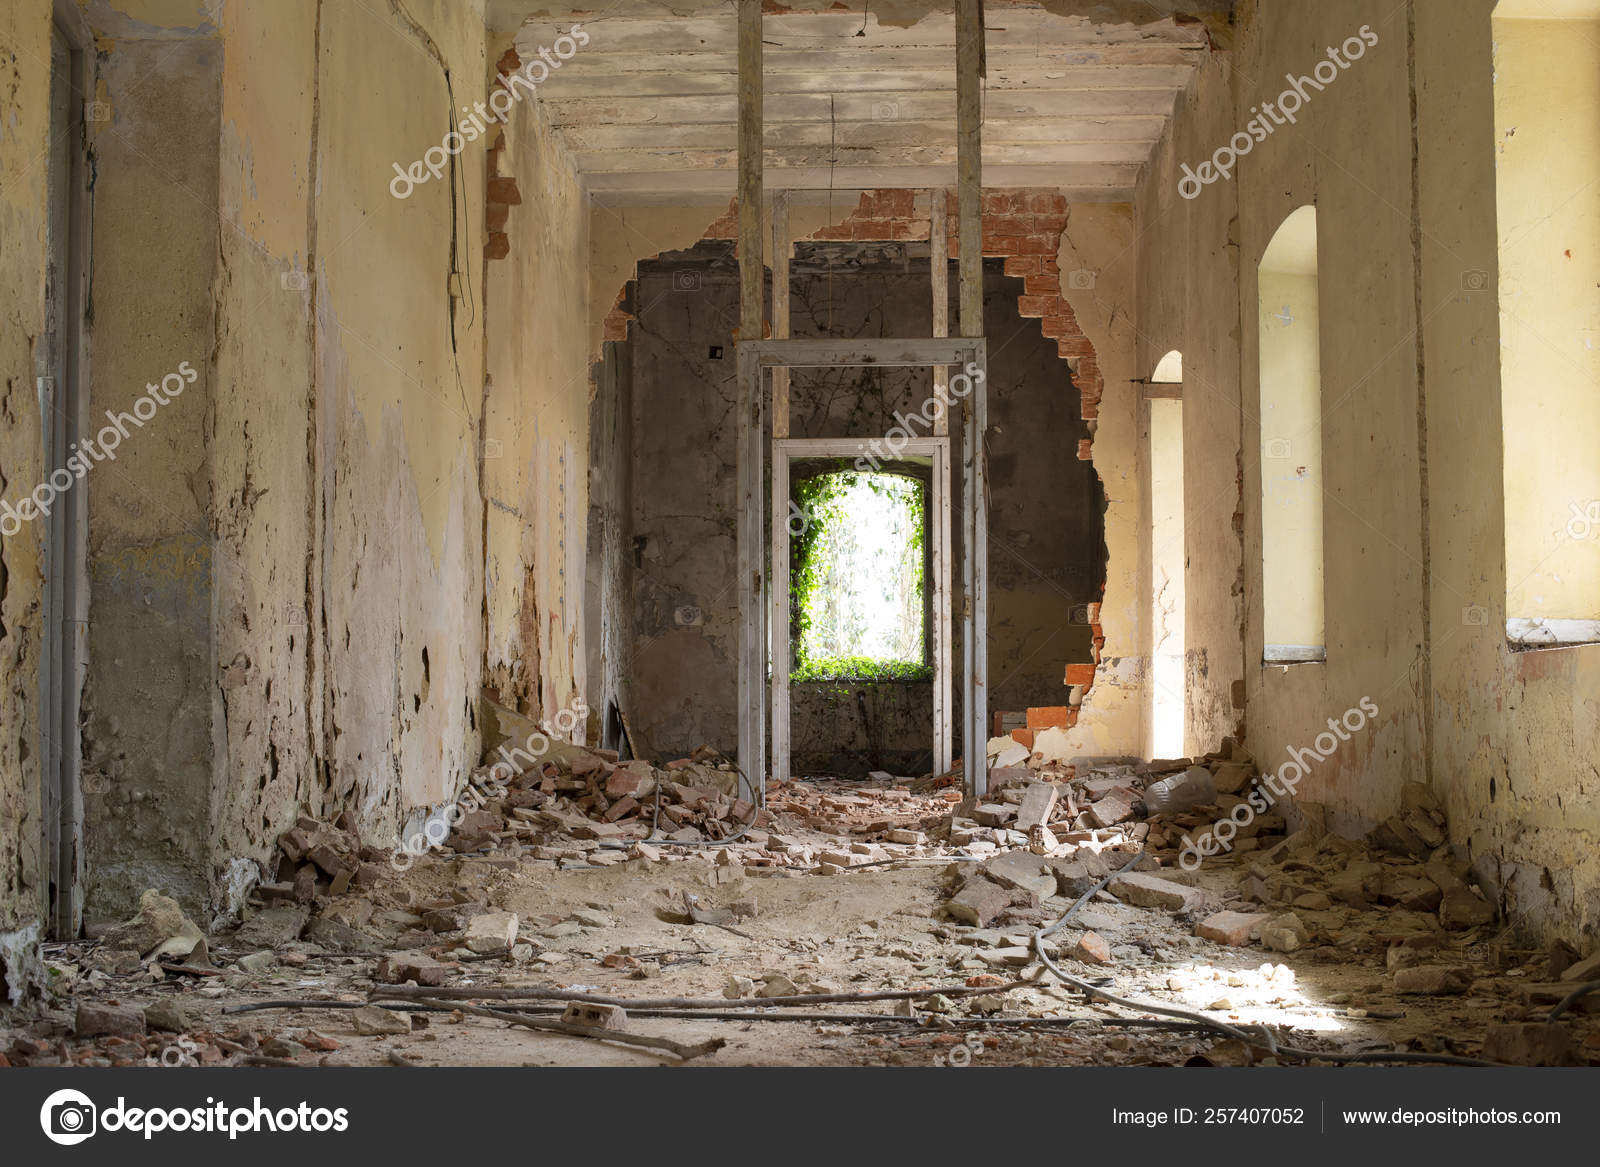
{"x": 862, "y": 668}
{"x": 818, "y": 498}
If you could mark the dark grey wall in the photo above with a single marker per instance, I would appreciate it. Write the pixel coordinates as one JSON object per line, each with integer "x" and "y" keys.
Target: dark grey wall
{"x": 1047, "y": 549}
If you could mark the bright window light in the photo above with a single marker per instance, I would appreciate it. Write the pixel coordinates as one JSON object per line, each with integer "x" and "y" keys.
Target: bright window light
{"x": 859, "y": 584}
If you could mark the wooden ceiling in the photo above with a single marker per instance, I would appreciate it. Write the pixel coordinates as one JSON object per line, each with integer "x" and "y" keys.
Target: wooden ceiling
{"x": 648, "y": 107}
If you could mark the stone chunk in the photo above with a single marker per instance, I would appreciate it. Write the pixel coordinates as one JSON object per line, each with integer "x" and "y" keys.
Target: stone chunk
{"x": 1091, "y": 948}
{"x": 1462, "y": 908}
{"x": 107, "y": 1020}
{"x": 399, "y": 967}
{"x": 491, "y": 932}
{"x": 1151, "y": 891}
{"x": 1038, "y": 801}
{"x": 1285, "y": 933}
{"x": 1530, "y": 1043}
{"x": 979, "y": 902}
{"x": 1117, "y": 806}
{"x": 1587, "y": 969}
{"x": 169, "y": 1015}
{"x": 593, "y": 1016}
{"x": 994, "y": 814}
{"x": 1433, "y": 980}
{"x": 1022, "y": 870}
{"x": 1232, "y": 928}
{"x": 371, "y": 1021}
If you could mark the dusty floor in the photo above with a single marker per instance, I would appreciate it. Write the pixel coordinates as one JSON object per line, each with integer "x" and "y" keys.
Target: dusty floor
{"x": 602, "y": 930}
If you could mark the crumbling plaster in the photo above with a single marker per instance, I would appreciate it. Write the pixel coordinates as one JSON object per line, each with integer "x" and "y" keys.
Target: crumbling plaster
{"x": 1414, "y": 552}
{"x": 24, "y": 137}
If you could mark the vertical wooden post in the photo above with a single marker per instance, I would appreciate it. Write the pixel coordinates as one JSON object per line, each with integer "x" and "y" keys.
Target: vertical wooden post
{"x": 939, "y": 265}
{"x": 969, "y": 160}
{"x": 780, "y": 309}
{"x": 751, "y": 456}
{"x": 974, "y": 420}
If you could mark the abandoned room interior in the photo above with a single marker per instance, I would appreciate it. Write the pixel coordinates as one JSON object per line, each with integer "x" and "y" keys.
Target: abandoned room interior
{"x": 930, "y": 532}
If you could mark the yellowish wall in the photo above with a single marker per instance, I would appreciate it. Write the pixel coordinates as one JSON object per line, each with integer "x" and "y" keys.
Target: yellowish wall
{"x": 24, "y": 138}
{"x": 1547, "y": 142}
{"x": 1414, "y": 542}
{"x": 1514, "y": 732}
{"x": 1291, "y": 460}
{"x": 537, "y": 419}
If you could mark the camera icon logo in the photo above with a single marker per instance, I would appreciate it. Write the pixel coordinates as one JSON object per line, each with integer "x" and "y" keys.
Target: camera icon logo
{"x": 494, "y": 447}
{"x": 1475, "y": 616}
{"x": 1278, "y": 448}
{"x": 1585, "y": 521}
{"x": 68, "y": 1117}
{"x": 1081, "y": 280}
{"x": 685, "y": 281}
{"x": 96, "y": 111}
{"x": 294, "y": 281}
{"x": 885, "y": 111}
{"x": 1474, "y": 281}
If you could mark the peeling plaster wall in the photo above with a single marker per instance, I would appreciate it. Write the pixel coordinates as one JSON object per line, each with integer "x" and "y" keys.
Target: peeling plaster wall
{"x": 24, "y": 138}
{"x": 148, "y": 710}
{"x": 1414, "y": 549}
{"x": 1188, "y": 286}
{"x": 395, "y": 603}
{"x": 536, "y": 430}
{"x": 1514, "y": 732}
{"x": 265, "y": 505}
{"x": 1349, "y": 154}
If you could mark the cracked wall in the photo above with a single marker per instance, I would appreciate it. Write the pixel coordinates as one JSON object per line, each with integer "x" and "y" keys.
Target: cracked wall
{"x": 24, "y": 137}
{"x": 1400, "y": 164}
{"x": 150, "y": 691}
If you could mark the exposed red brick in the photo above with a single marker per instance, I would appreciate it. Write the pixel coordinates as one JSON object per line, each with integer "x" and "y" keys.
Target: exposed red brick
{"x": 1035, "y": 305}
{"x": 495, "y": 216}
{"x": 1023, "y": 737}
{"x": 497, "y": 245}
{"x": 1048, "y": 716}
{"x": 1080, "y": 674}
{"x": 1022, "y": 265}
{"x": 504, "y": 190}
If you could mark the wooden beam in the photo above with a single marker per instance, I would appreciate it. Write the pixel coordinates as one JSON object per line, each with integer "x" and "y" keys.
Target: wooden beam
{"x": 969, "y": 160}
{"x": 751, "y": 272}
{"x": 974, "y": 420}
{"x": 939, "y": 268}
{"x": 751, "y": 581}
{"x": 780, "y": 312}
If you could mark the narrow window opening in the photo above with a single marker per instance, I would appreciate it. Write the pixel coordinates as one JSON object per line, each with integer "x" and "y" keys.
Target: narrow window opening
{"x": 1167, "y": 558}
{"x": 1291, "y": 443}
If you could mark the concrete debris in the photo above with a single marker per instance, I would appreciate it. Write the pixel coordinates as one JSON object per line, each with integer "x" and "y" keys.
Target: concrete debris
{"x": 1151, "y": 891}
{"x": 1235, "y": 928}
{"x": 491, "y": 932}
{"x": 158, "y": 930}
{"x": 95, "y": 1020}
{"x": 372, "y": 1021}
{"x": 1531, "y": 1043}
{"x": 1433, "y": 979}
